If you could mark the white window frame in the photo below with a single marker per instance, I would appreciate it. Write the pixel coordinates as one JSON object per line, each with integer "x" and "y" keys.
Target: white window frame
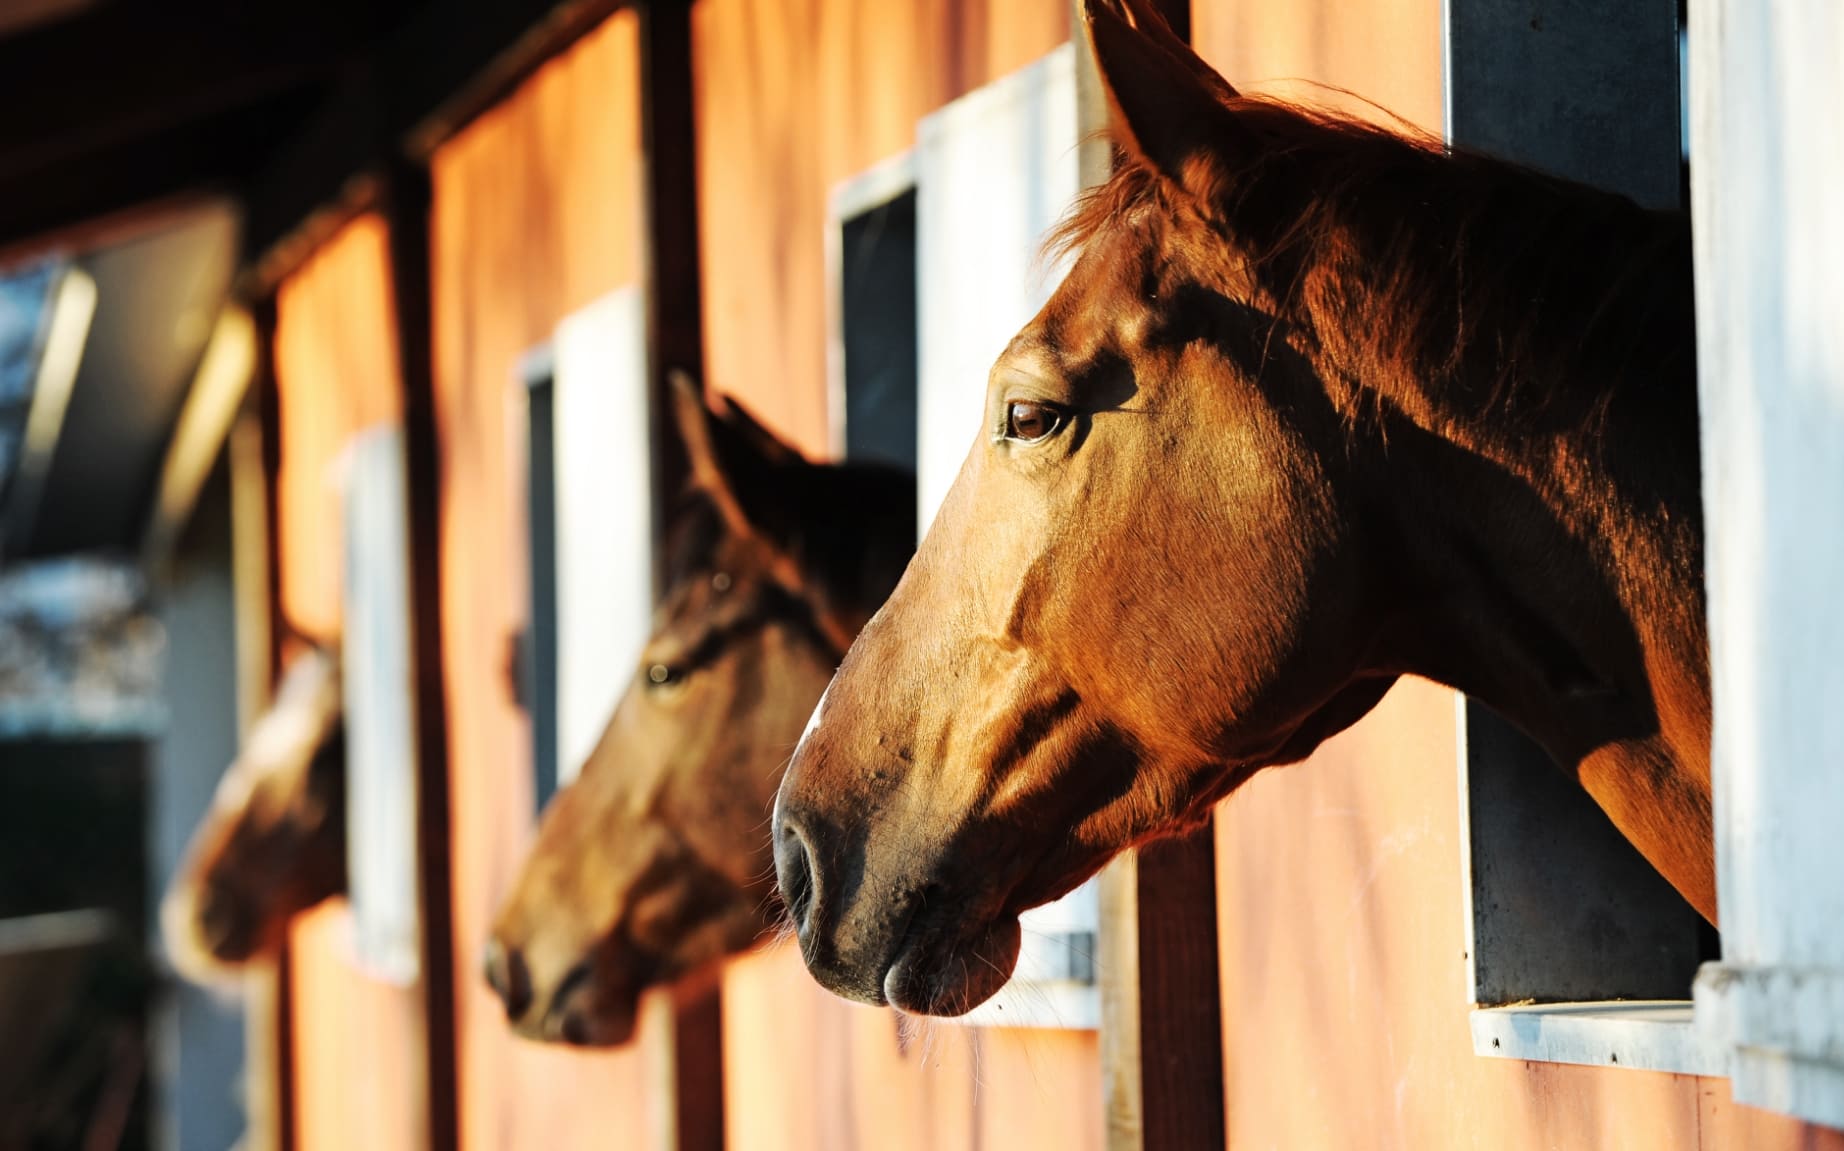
{"x": 1767, "y": 129}
{"x": 604, "y": 509}
{"x": 378, "y": 681}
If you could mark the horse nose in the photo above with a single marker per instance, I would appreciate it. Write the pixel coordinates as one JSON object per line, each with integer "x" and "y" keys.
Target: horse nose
{"x": 794, "y": 873}
{"x": 509, "y": 978}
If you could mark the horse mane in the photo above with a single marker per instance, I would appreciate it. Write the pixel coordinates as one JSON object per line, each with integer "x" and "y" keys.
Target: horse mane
{"x": 1458, "y": 282}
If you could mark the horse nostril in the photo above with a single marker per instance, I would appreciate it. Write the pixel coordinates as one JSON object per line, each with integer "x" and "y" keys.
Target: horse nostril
{"x": 794, "y": 873}
{"x": 509, "y": 978}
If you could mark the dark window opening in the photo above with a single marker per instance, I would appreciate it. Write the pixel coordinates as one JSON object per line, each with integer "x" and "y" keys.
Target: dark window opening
{"x": 536, "y": 656}
{"x": 878, "y": 317}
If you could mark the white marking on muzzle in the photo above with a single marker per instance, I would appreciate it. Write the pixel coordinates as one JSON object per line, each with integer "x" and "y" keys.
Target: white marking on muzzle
{"x": 813, "y": 721}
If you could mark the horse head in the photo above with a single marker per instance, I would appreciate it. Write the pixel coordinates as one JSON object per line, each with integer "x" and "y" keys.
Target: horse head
{"x": 273, "y": 843}
{"x": 1240, "y": 473}
{"x": 656, "y": 862}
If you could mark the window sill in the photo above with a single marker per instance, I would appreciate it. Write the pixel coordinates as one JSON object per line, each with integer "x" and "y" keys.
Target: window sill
{"x": 1645, "y": 1035}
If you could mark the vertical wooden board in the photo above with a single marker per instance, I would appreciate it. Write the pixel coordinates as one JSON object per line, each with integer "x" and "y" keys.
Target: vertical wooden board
{"x": 355, "y": 1042}
{"x": 535, "y": 214}
{"x": 1181, "y": 1070}
{"x": 806, "y": 1070}
{"x": 336, "y": 374}
{"x": 795, "y": 96}
{"x": 1039, "y": 1089}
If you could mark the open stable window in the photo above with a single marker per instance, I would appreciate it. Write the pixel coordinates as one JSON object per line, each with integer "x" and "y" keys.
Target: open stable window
{"x": 872, "y": 360}
{"x": 1578, "y": 950}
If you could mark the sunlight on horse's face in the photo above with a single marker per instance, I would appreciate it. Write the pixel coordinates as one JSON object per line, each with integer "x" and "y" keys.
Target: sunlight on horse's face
{"x": 656, "y": 862}
{"x": 1125, "y": 559}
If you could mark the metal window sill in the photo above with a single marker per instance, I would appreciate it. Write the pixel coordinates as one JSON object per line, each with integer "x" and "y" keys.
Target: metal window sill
{"x": 1644, "y": 1035}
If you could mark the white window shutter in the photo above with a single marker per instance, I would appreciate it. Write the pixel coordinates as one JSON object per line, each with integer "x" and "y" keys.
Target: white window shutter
{"x": 604, "y": 517}
{"x": 1767, "y": 124}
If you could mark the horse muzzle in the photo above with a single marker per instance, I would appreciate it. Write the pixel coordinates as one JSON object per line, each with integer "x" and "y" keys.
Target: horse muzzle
{"x": 915, "y": 944}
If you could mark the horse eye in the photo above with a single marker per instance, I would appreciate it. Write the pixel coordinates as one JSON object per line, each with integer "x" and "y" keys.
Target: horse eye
{"x": 664, "y": 675}
{"x": 1027, "y": 421}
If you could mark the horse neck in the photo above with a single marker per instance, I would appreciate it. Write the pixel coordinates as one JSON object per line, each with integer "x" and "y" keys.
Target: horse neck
{"x": 1554, "y": 551}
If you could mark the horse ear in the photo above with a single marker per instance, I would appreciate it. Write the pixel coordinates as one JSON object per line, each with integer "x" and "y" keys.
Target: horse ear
{"x": 735, "y": 461}
{"x": 1167, "y": 108}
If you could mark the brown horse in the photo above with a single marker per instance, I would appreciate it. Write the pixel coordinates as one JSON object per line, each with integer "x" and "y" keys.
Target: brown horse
{"x": 273, "y": 843}
{"x": 1319, "y": 405}
{"x": 656, "y": 861}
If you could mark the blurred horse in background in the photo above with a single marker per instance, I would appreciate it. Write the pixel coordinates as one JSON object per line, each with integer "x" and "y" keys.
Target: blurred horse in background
{"x": 273, "y": 843}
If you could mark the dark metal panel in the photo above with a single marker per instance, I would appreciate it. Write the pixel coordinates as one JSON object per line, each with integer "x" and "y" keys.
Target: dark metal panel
{"x": 538, "y": 643}
{"x": 1563, "y": 908}
{"x": 1586, "y": 89}
{"x": 877, "y": 301}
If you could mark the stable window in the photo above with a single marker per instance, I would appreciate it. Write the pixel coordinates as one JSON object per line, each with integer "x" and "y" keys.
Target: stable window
{"x": 378, "y": 674}
{"x": 1578, "y": 951}
{"x": 588, "y": 488}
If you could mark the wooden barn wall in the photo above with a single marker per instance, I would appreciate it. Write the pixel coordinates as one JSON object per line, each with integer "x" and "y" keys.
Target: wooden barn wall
{"x": 358, "y": 1041}
{"x": 1340, "y": 898}
{"x": 793, "y": 98}
{"x": 535, "y": 214}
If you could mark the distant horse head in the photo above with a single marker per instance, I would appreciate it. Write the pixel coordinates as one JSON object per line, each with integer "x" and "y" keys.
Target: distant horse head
{"x": 656, "y": 861}
{"x": 1319, "y": 404}
{"x": 273, "y": 843}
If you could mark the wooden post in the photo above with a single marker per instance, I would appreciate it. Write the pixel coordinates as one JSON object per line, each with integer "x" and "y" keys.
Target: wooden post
{"x": 406, "y": 196}
{"x": 1181, "y": 1009}
{"x": 672, "y": 281}
{"x": 692, "y": 1075}
{"x": 1161, "y": 996}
